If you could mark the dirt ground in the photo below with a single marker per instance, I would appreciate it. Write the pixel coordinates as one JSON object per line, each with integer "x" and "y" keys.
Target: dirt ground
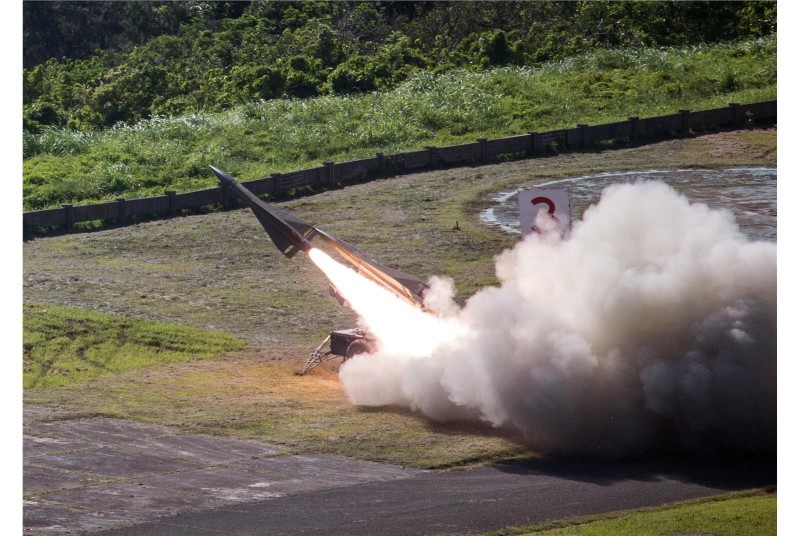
{"x": 220, "y": 271}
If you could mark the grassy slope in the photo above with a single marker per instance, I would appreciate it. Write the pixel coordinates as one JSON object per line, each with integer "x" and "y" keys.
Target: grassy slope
{"x": 281, "y": 135}
{"x": 219, "y": 271}
{"x": 752, "y": 513}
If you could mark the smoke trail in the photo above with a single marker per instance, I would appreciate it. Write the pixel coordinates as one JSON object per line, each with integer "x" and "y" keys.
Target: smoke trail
{"x": 655, "y": 321}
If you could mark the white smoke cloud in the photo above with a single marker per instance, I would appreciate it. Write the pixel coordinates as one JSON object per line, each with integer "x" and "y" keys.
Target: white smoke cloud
{"x": 654, "y": 323}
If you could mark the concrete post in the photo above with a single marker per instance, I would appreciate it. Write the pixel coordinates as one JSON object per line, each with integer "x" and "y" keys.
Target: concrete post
{"x": 331, "y": 172}
{"x": 274, "y": 183}
{"x": 173, "y": 202}
{"x": 483, "y": 155}
{"x": 432, "y": 156}
{"x": 67, "y": 216}
{"x": 381, "y": 163}
{"x": 684, "y": 122}
{"x": 121, "y": 210}
{"x": 735, "y": 113}
{"x": 225, "y": 195}
{"x": 634, "y": 127}
{"x": 584, "y": 135}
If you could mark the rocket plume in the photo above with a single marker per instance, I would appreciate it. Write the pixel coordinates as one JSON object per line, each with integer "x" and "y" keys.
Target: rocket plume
{"x": 653, "y": 324}
{"x": 394, "y": 323}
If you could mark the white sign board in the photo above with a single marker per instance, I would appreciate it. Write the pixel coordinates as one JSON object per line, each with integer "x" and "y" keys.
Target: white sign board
{"x": 553, "y": 205}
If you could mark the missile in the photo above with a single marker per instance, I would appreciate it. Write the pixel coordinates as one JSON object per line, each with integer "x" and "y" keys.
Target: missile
{"x": 290, "y": 234}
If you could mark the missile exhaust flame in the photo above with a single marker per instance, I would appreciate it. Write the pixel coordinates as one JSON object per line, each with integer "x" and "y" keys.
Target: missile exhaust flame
{"x": 406, "y": 330}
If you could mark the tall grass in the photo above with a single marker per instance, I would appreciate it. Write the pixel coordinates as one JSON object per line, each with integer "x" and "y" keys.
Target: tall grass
{"x": 259, "y": 138}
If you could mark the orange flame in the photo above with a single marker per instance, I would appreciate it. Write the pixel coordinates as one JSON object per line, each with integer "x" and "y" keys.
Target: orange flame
{"x": 398, "y": 326}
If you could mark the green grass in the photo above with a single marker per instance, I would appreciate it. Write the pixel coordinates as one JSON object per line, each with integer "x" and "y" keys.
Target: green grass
{"x": 259, "y": 138}
{"x": 64, "y": 346}
{"x": 751, "y": 513}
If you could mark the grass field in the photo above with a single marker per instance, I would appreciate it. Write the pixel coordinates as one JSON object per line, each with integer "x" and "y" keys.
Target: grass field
{"x": 219, "y": 271}
{"x": 752, "y": 513}
{"x": 256, "y": 139}
{"x": 66, "y": 346}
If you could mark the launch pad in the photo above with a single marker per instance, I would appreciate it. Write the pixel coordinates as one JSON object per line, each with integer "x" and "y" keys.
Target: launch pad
{"x": 344, "y": 343}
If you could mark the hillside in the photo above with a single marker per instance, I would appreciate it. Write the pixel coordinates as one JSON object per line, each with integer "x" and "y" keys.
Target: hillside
{"x": 90, "y": 65}
{"x": 258, "y": 138}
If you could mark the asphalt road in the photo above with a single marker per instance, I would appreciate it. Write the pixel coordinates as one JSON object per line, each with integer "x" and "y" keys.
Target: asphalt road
{"x": 87, "y": 475}
{"x": 471, "y": 501}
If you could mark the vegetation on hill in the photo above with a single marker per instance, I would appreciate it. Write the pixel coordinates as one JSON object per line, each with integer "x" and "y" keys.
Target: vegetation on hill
{"x": 90, "y": 65}
{"x": 258, "y": 138}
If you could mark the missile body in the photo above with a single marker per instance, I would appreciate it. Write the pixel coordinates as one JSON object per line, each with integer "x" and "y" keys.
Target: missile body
{"x": 291, "y": 234}
{"x": 288, "y": 233}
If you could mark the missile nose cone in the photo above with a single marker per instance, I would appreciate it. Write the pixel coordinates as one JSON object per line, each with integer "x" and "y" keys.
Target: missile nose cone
{"x": 221, "y": 175}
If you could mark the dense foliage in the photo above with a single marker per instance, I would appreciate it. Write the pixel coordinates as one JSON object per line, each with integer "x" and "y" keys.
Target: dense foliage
{"x": 90, "y": 65}
{"x": 262, "y": 137}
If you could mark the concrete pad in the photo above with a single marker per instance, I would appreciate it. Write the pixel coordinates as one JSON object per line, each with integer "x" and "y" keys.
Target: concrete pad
{"x": 129, "y": 500}
{"x": 101, "y": 430}
{"x": 266, "y": 478}
{"x": 43, "y": 518}
{"x": 116, "y": 462}
{"x": 36, "y": 479}
{"x": 208, "y": 449}
{"x": 152, "y": 497}
{"x": 95, "y": 473}
{"x": 306, "y": 473}
{"x": 33, "y": 446}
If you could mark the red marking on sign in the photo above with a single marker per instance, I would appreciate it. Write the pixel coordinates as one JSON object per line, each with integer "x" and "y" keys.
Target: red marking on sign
{"x": 551, "y": 207}
{"x": 551, "y": 210}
